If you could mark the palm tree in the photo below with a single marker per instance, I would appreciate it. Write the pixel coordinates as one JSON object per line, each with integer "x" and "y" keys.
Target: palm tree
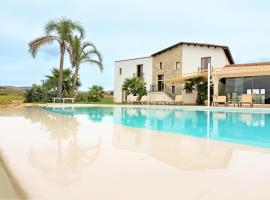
{"x": 52, "y": 80}
{"x": 58, "y": 31}
{"x": 82, "y": 52}
{"x": 135, "y": 86}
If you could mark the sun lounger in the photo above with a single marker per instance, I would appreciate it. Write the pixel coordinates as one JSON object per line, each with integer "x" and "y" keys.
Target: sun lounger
{"x": 159, "y": 101}
{"x": 143, "y": 100}
{"x": 133, "y": 100}
{"x": 177, "y": 100}
{"x": 246, "y": 99}
{"x": 219, "y": 100}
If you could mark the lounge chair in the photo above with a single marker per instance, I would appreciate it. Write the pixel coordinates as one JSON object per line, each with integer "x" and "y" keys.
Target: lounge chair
{"x": 177, "y": 100}
{"x": 144, "y": 100}
{"x": 246, "y": 99}
{"x": 133, "y": 100}
{"x": 219, "y": 100}
{"x": 160, "y": 100}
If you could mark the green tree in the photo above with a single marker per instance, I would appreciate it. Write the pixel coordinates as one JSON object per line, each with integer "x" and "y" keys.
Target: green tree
{"x": 189, "y": 86}
{"x": 36, "y": 94}
{"x": 52, "y": 80}
{"x": 82, "y": 52}
{"x": 135, "y": 86}
{"x": 200, "y": 84}
{"x": 95, "y": 94}
{"x": 59, "y": 31}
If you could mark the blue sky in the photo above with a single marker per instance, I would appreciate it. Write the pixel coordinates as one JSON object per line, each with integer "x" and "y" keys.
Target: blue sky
{"x": 125, "y": 29}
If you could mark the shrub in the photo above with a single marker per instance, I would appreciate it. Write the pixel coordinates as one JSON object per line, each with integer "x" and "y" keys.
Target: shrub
{"x": 95, "y": 94}
{"x": 81, "y": 97}
{"x": 36, "y": 94}
{"x": 135, "y": 86}
{"x": 107, "y": 99}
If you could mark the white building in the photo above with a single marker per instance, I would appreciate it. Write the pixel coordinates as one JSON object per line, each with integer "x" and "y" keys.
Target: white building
{"x": 166, "y": 70}
{"x": 137, "y": 67}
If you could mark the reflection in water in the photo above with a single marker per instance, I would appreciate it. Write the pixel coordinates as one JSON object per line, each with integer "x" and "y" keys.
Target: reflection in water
{"x": 237, "y": 127}
{"x": 175, "y": 149}
{"x": 70, "y": 155}
{"x": 179, "y": 151}
{"x": 94, "y": 114}
{"x": 226, "y": 126}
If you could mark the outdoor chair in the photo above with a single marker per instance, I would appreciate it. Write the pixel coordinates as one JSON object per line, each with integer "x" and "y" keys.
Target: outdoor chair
{"x": 177, "y": 100}
{"x": 219, "y": 100}
{"x": 246, "y": 99}
{"x": 143, "y": 100}
{"x": 159, "y": 101}
{"x": 133, "y": 100}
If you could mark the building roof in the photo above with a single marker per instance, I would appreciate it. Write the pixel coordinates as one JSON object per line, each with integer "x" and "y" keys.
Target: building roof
{"x": 132, "y": 59}
{"x": 249, "y": 64}
{"x": 225, "y": 48}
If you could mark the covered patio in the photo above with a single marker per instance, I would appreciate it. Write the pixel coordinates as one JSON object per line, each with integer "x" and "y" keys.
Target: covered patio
{"x": 235, "y": 80}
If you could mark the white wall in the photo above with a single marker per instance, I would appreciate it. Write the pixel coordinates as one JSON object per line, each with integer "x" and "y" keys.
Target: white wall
{"x": 129, "y": 69}
{"x": 191, "y": 57}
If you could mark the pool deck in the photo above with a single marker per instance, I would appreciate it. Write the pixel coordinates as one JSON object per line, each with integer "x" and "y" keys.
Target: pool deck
{"x": 7, "y": 189}
{"x": 58, "y": 157}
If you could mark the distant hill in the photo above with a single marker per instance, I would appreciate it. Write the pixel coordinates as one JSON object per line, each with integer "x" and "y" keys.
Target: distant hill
{"x": 11, "y": 90}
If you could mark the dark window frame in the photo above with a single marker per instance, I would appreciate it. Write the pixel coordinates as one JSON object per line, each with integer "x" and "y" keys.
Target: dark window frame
{"x": 202, "y": 58}
{"x": 160, "y": 65}
{"x": 177, "y": 67}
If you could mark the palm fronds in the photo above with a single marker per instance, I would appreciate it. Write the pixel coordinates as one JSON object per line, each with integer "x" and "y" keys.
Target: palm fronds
{"x": 35, "y": 45}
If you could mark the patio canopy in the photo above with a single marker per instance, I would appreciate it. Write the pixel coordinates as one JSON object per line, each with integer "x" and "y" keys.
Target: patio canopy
{"x": 185, "y": 78}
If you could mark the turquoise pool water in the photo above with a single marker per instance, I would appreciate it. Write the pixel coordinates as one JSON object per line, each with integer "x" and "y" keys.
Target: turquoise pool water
{"x": 247, "y": 127}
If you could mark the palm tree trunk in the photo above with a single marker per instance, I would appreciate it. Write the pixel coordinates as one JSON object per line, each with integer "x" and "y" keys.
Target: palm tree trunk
{"x": 75, "y": 78}
{"x": 61, "y": 69}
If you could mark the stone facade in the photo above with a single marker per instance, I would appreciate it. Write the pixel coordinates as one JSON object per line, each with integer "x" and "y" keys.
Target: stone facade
{"x": 168, "y": 59}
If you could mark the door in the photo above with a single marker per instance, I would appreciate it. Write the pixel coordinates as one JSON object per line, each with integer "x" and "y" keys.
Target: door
{"x": 161, "y": 83}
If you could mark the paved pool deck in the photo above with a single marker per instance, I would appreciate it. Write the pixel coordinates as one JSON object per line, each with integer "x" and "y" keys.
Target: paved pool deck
{"x": 7, "y": 189}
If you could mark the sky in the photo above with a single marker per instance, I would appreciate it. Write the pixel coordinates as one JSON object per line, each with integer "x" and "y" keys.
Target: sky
{"x": 124, "y": 29}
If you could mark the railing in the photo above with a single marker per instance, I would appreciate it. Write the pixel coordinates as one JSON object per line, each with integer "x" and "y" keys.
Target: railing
{"x": 256, "y": 98}
{"x": 201, "y": 70}
{"x": 167, "y": 89}
{"x": 169, "y": 92}
{"x": 154, "y": 88}
{"x": 139, "y": 75}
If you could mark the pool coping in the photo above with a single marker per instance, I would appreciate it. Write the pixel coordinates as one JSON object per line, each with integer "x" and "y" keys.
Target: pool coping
{"x": 167, "y": 107}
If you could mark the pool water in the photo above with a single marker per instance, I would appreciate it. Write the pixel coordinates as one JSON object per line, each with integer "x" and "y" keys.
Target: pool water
{"x": 247, "y": 127}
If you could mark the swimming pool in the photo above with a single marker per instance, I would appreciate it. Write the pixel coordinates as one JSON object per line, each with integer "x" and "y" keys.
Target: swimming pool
{"x": 248, "y": 127}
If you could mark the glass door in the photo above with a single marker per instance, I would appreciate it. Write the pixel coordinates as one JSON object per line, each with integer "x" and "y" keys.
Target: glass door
{"x": 161, "y": 82}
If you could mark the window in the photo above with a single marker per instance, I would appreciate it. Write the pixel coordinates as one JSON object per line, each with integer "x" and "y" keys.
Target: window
{"x": 173, "y": 89}
{"x": 160, "y": 65}
{"x": 177, "y": 65}
{"x": 120, "y": 71}
{"x": 160, "y": 82}
{"x": 204, "y": 63}
{"x": 140, "y": 71}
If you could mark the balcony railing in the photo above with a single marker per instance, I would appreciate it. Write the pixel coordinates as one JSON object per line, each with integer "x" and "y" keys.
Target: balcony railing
{"x": 166, "y": 88}
{"x": 139, "y": 75}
